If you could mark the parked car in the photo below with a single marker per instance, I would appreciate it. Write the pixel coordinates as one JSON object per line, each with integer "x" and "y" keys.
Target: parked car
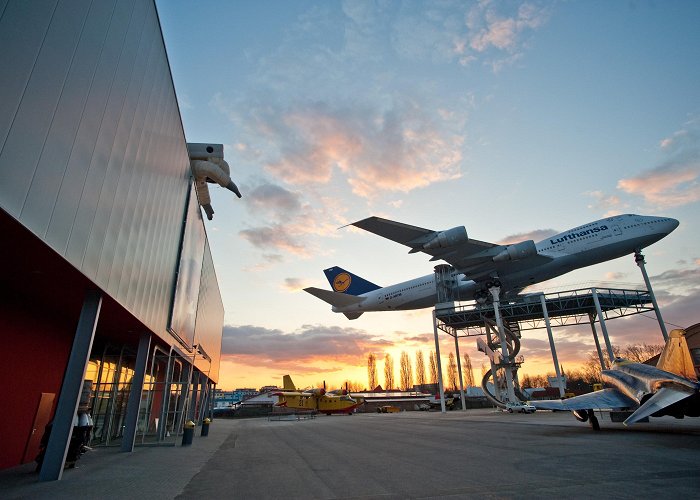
{"x": 388, "y": 409}
{"x": 520, "y": 407}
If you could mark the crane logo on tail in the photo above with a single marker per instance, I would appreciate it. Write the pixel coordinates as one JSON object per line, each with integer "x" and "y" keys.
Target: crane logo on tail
{"x": 342, "y": 282}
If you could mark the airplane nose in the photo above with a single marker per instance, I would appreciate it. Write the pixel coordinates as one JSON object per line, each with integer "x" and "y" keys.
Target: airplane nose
{"x": 672, "y": 224}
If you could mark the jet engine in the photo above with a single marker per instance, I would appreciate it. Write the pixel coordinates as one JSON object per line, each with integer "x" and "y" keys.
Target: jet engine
{"x": 518, "y": 251}
{"x": 448, "y": 238}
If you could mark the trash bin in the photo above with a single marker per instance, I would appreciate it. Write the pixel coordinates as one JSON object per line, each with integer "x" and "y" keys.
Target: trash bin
{"x": 188, "y": 433}
{"x": 205, "y": 427}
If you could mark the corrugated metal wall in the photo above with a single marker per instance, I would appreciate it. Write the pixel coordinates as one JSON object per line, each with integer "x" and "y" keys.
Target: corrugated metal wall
{"x": 210, "y": 316}
{"x": 93, "y": 157}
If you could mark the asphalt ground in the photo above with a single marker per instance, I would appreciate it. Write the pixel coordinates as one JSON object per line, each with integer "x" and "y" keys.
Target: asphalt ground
{"x": 473, "y": 454}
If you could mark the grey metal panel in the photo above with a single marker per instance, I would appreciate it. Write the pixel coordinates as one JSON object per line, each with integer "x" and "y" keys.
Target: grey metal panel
{"x": 144, "y": 292}
{"x": 142, "y": 192}
{"x": 46, "y": 182}
{"x": 32, "y": 119}
{"x": 119, "y": 163}
{"x": 74, "y": 179}
{"x": 210, "y": 316}
{"x": 122, "y": 177}
{"x": 108, "y": 170}
{"x": 23, "y": 27}
{"x": 89, "y": 199}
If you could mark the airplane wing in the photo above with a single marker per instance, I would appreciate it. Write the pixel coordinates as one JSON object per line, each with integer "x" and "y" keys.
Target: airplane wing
{"x": 607, "y": 399}
{"x": 661, "y": 399}
{"x": 474, "y": 258}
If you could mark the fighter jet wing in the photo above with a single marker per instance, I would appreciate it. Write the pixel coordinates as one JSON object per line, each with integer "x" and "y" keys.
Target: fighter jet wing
{"x": 607, "y": 399}
{"x": 661, "y": 399}
{"x": 474, "y": 258}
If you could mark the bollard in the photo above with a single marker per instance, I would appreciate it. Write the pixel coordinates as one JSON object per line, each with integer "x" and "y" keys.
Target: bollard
{"x": 188, "y": 433}
{"x": 205, "y": 427}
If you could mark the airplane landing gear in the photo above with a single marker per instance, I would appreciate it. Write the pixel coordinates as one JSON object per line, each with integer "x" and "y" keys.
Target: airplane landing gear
{"x": 593, "y": 420}
{"x": 481, "y": 297}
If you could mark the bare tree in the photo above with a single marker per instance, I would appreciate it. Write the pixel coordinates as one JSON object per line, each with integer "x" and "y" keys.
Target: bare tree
{"x": 468, "y": 371}
{"x": 352, "y": 386}
{"x": 639, "y": 353}
{"x": 372, "y": 370}
{"x": 433, "y": 368}
{"x": 388, "y": 371}
{"x": 406, "y": 372}
{"x": 452, "y": 373}
{"x": 420, "y": 368}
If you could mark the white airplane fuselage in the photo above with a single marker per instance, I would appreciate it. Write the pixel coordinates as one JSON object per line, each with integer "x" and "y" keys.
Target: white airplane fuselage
{"x": 582, "y": 246}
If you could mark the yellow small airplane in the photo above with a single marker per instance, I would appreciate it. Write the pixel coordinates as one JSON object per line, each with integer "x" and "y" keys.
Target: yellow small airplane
{"x": 338, "y": 401}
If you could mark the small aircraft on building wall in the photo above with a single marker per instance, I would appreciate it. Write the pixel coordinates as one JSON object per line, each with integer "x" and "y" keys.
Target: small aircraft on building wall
{"x": 337, "y": 401}
{"x": 640, "y": 390}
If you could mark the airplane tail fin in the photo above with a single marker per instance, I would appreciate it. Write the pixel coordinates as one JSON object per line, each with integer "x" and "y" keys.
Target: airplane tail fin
{"x": 675, "y": 358}
{"x": 287, "y": 383}
{"x": 343, "y": 281}
{"x": 337, "y": 299}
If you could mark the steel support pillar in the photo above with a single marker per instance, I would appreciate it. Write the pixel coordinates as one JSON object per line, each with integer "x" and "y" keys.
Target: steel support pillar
{"x": 71, "y": 388}
{"x": 545, "y": 315}
{"x": 505, "y": 355}
{"x": 194, "y": 383}
{"x": 604, "y": 328}
{"x": 591, "y": 318}
{"x": 134, "y": 404}
{"x": 439, "y": 364}
{"x": 639, "y": 259}
{"x": 459, "y": 369}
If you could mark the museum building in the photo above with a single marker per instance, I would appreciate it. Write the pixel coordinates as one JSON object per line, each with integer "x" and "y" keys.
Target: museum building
{"x": 109, "y": 301}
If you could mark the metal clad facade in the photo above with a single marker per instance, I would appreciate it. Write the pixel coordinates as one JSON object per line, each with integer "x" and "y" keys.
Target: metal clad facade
{"x": 93, "y": 157}
{"x": 210, "y": 316}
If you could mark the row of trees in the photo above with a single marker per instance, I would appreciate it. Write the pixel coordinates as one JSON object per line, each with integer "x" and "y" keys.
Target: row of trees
{"x": 590, "y": 372}
{"x": 417, "y": 373}
{"x": 408, "y": 376}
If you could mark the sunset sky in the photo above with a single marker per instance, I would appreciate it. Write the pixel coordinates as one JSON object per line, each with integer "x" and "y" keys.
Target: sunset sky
{"x": 510, "y": 118}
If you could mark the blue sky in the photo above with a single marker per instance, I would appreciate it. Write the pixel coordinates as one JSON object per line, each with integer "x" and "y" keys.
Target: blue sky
{"x": 505, "y": 117}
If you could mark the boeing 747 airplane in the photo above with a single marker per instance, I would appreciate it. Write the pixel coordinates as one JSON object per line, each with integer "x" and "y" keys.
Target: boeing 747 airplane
{"x": 477, "y": 263}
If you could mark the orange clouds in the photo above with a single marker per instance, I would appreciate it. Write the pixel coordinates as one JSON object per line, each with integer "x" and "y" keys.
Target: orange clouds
{"x": 666, "y": 186}
{"x": 399, "y": 150}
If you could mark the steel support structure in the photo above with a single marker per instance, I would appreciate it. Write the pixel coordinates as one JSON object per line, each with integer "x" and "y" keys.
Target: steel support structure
{"x": 461, "y": 379}
{"x": 439, "y": 364}
{"x": 134, "y": 404}
{"x": 557, "y": 370}
{"x": 505, "y": 355}
{"x": 601, "y": 320}
{"x": 69, "y": 398}
{"x": 639, "y": 259}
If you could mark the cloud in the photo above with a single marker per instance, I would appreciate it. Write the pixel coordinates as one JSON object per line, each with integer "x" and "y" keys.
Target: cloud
{"x": 493, "y": 32}
{"x": 287, "y": 221}
{"x": 273, "y": 200}
{"x": 676, "y": 181}
{"x": 294, "y": 284}
{"x": 610, "y": 204}
{"x": 493, "y": 26}
{"x": 274, "y": 236}
{"x": 250, "y": 344}
{"x": 615, "y": 276}
{"x": 398, "y": 148}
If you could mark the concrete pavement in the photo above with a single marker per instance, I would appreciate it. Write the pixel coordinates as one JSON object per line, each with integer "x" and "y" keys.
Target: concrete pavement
{"x": 474, "y": 454}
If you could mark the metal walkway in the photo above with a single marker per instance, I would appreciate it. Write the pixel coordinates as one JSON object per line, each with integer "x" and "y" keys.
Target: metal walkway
{"x": 564, "y": 308}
